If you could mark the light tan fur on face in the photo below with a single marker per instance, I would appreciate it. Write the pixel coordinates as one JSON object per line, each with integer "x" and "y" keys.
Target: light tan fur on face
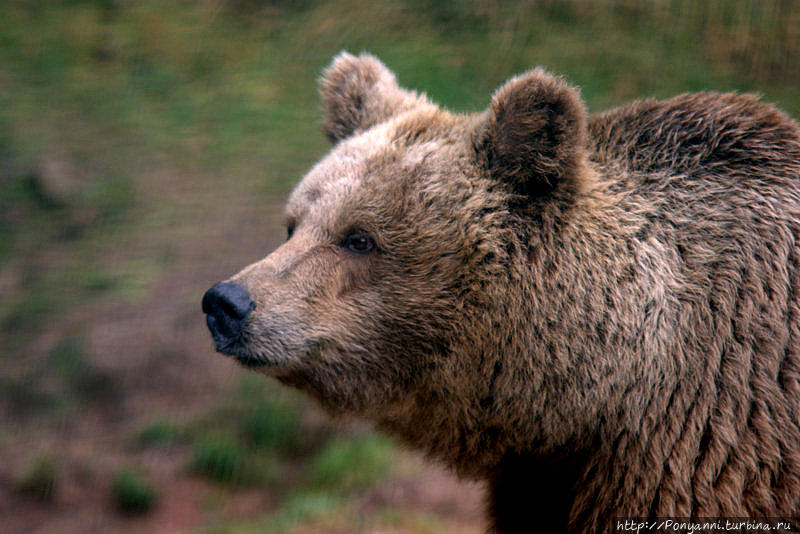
{"x": 599, "y": 315}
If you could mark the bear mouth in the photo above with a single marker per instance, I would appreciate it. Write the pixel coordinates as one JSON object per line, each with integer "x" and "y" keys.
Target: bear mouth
{"x": 272, "y": 358}
{"x": 236, "y": 349}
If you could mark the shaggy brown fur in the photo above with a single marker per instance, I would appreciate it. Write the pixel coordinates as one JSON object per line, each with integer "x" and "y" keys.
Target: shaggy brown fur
{"x": 596, "y": 314}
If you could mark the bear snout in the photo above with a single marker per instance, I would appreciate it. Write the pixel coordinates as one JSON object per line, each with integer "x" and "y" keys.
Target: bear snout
{"x": 227, "y": 306}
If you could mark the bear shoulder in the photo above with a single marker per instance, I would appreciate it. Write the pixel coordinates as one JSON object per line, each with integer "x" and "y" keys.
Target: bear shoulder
{"x": 697, "y": 131}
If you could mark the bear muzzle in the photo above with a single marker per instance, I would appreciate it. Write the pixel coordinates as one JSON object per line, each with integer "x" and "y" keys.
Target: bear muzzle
{"x": 227, "y": 306}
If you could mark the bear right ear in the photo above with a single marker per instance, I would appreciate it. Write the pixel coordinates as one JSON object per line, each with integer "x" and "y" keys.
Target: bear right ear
{"x": 360, "y": 92}
{"x": 533, "y": 136}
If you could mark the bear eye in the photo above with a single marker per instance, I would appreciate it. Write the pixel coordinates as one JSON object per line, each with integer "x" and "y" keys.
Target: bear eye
{"x": 358, "y": 242}
{"x": 289, "y": 230}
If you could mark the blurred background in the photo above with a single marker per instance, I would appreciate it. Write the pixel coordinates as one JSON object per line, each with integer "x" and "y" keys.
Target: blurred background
{"x": 146, "y": 149}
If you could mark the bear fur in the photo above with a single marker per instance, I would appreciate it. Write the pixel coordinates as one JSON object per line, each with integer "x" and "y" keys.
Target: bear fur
{"x": 599, "y": 315}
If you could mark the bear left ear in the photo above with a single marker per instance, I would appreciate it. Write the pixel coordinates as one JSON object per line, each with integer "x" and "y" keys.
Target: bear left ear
{"x": 533, "y": 135}
{"x": 360, "y": 92}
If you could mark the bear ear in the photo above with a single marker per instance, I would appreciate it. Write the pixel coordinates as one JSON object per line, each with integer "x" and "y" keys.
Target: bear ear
{"x": 360, "y": 92}
{"x": 534, "y": 134}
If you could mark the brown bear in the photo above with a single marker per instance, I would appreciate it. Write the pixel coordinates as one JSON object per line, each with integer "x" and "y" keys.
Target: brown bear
{"x": 599, "y": 315}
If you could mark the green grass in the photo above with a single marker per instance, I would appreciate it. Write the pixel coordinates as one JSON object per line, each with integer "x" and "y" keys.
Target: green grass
{"x": 219, "y": 458}
{"x": 273, "y": 427}
{"x": 38, "y": 480}
{"x": 249, "y": 437}
{"x": 262, "y": 417}
{"x": 269, "y": 418}
{"x": 345, "y": 464}
{"x": 300, "y": 509}
{"x": 338, "y": 468}
{"x": 58, "y": 385}
{"x": 314, "y": 511}
{"x": 159, "y": 433}
{"x": 81, "y": 381}
{"x": 68, "y": 360}
{"x": 305, "y": 507}
{"x": 257, "y": 438}
{"x": 132, "y": 493}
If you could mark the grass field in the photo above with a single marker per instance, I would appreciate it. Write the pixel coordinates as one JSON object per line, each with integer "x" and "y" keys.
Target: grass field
{"x": 145, "y": 151}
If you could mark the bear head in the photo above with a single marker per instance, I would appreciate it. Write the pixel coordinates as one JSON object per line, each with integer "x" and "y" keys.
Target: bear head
{"x": 399, "y": 294}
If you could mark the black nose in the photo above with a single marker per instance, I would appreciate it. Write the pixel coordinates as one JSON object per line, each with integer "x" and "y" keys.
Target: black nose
{"x": 226, "y": 306}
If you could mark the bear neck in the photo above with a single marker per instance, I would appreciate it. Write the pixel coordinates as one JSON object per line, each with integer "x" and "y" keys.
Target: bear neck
{"x": 519, "y": 424}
